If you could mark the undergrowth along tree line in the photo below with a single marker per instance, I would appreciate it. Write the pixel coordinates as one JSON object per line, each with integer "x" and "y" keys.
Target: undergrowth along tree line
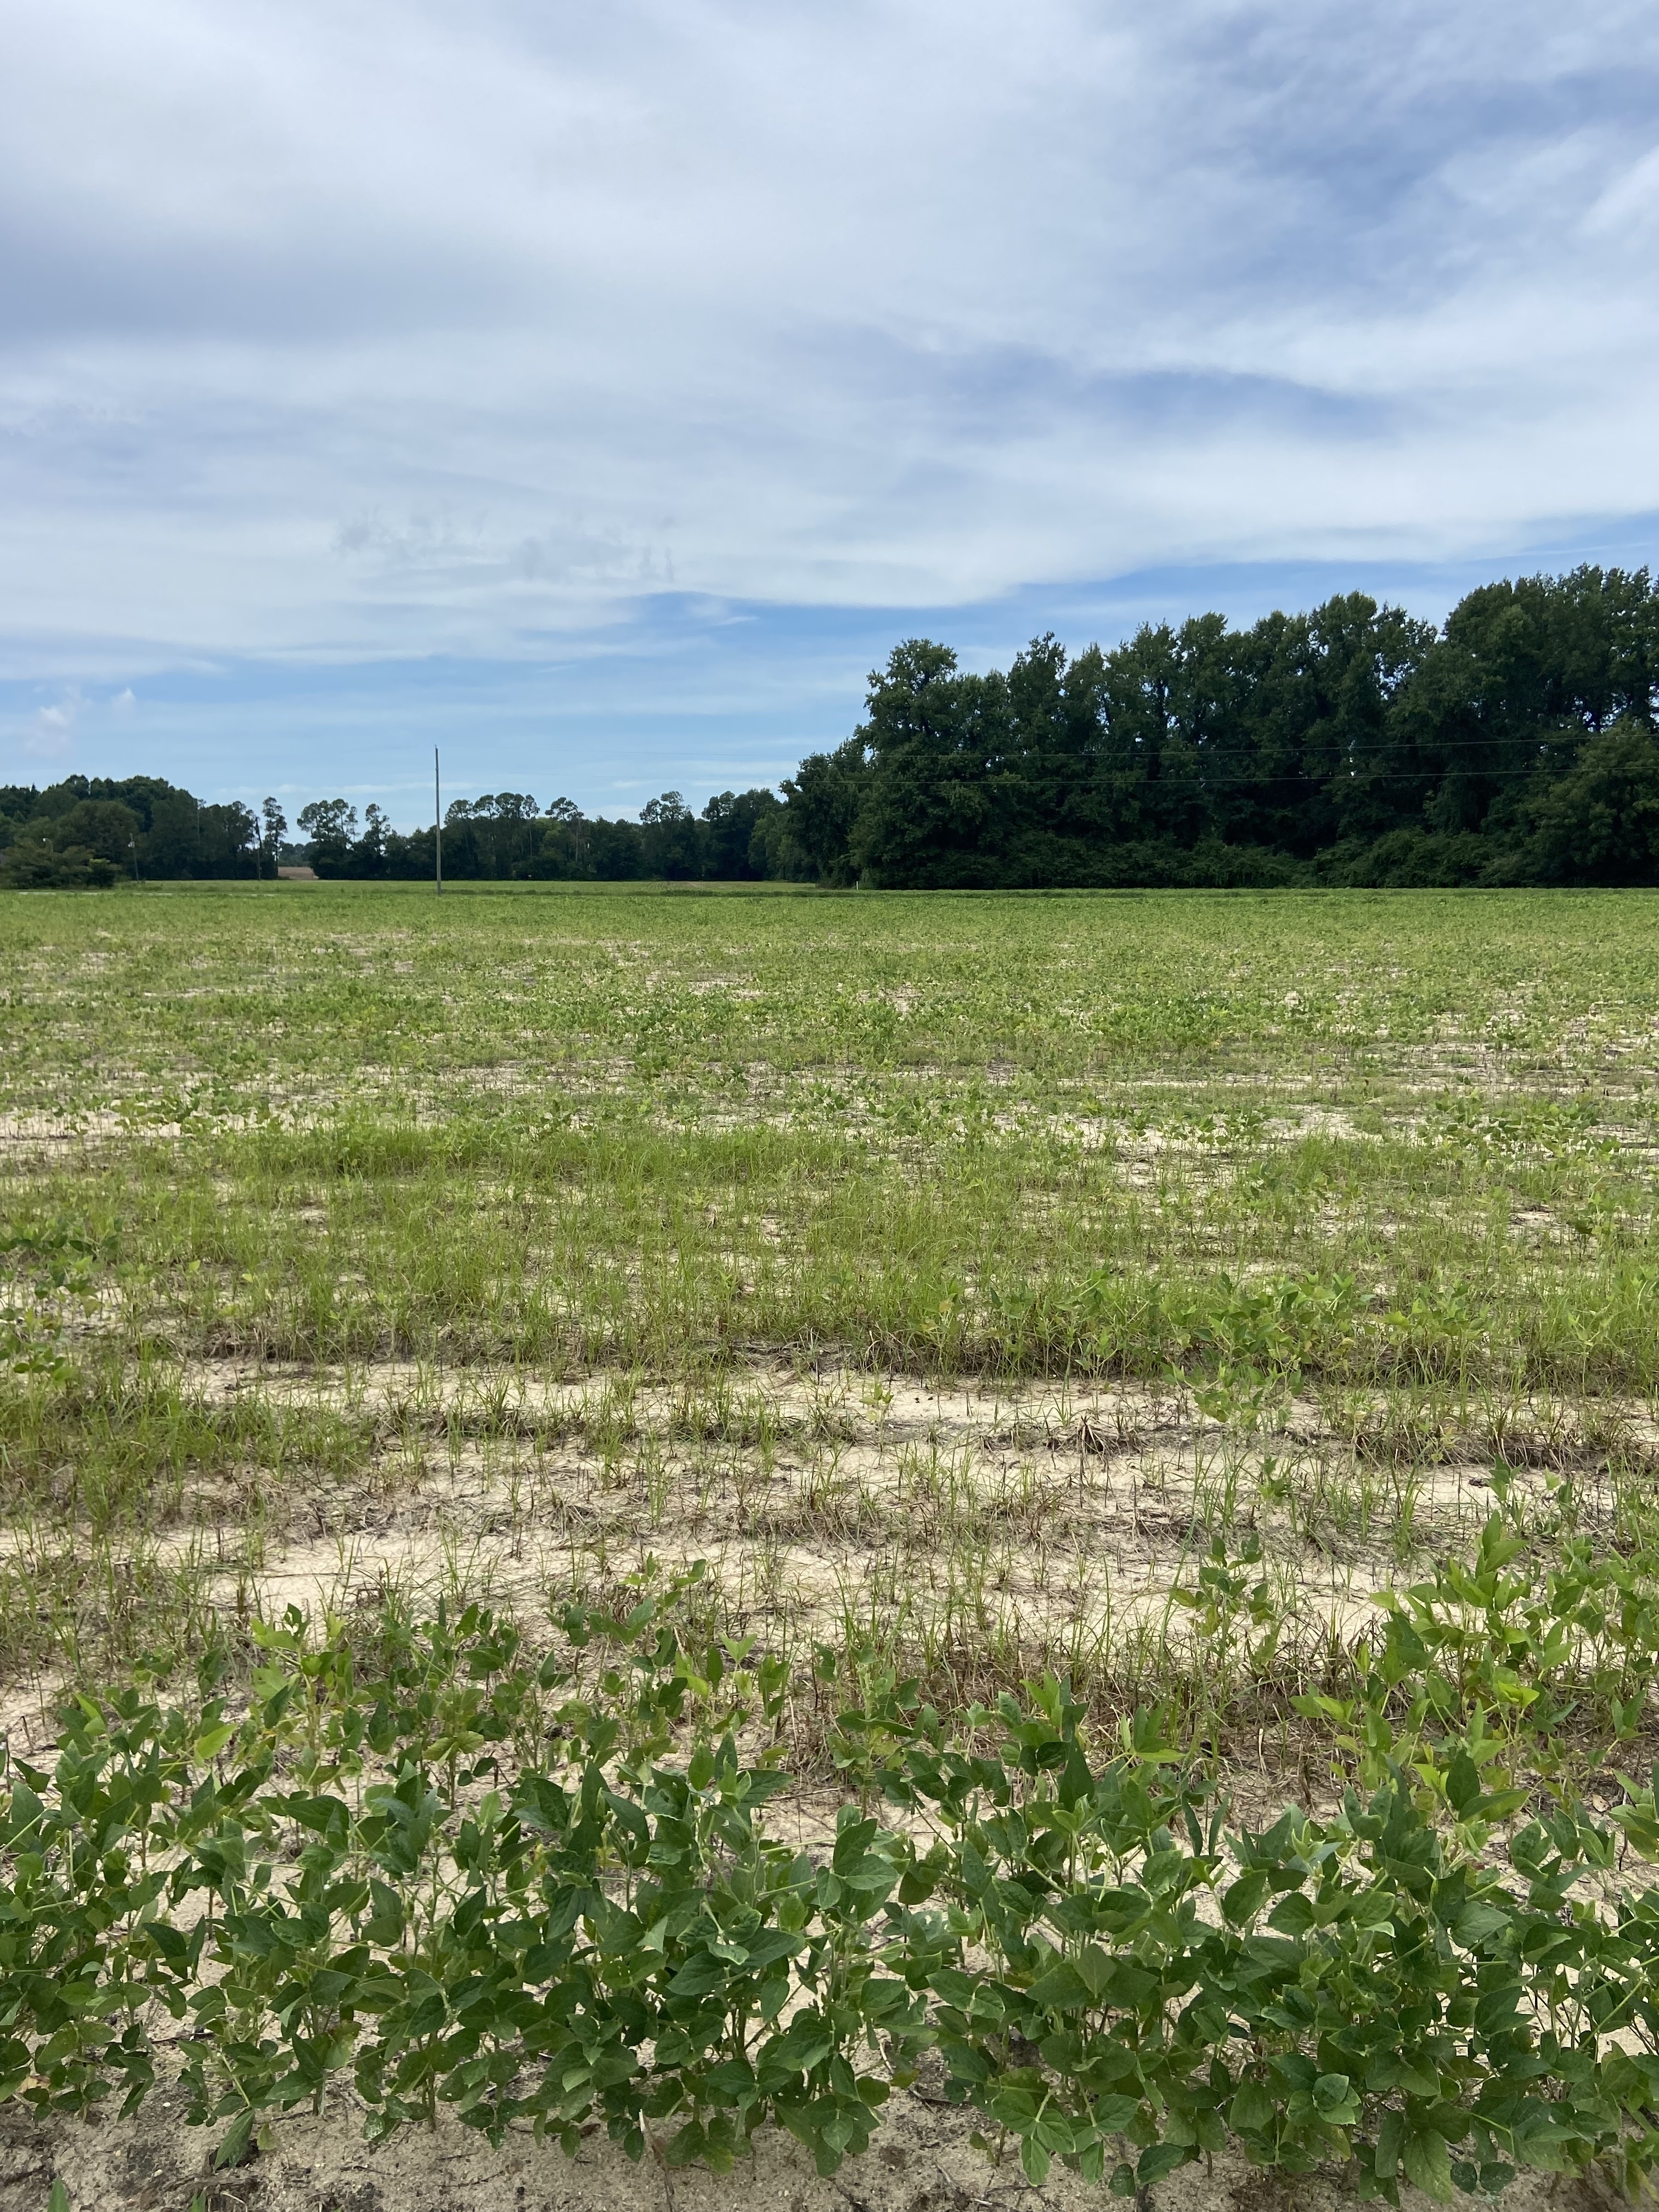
{"x": 541, "y": 1888}
{"x": 1353, "y": 745}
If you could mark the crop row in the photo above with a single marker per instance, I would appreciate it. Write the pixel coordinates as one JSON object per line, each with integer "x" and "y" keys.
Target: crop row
{"x": 548, "y": 1893}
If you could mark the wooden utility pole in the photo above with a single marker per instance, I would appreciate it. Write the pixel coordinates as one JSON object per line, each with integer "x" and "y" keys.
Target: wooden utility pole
{"x": 437, "y": 822}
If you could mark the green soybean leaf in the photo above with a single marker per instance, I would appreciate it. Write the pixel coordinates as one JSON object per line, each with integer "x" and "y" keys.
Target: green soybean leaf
{"x": 1242, "y": 1900}
{"x": 1252, "y": 2109}
{"x": 1463, "y": 1789}
{"x": 1293, "y": 1915}
{"x": 1476, "y": 1923}
{"x": 1390, "y": 2142}
{"x": 1157, "y": 2160}
{"x": 1331, "y": 2090}
{"x": 1428, "y": 2163}
{"x": 233, "y": 2146}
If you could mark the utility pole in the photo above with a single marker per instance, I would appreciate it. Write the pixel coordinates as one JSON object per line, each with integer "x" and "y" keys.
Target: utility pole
{"x": 437, "y": 822}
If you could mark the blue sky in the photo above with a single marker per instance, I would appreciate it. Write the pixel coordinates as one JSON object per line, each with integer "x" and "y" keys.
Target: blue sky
{"x": 599, "y": 393}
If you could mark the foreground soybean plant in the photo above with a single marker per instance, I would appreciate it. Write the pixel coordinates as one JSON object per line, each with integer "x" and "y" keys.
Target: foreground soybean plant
{"x": 545, "y": 1894}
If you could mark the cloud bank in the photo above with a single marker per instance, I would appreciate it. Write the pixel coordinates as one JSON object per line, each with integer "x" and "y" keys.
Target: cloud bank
{"x": 341, "y": 337}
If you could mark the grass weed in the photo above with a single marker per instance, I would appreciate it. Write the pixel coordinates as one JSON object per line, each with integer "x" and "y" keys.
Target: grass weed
{"x": 953, "y": 1270}
{"x": 1218, "y": 1331}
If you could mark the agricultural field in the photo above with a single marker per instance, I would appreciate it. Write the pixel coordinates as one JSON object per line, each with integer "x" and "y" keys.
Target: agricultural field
{"x": 957, "y": 1408}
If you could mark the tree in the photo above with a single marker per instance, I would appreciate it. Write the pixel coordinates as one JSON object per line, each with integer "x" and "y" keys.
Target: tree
{"x": 228, "y": 840}
{"x": 937, "y": 812}
{"x": 368, "y": 855}
{"x": 271, "y": 844}
{"x": 732, "y": 822}
{"x": 103, "y": 827}
{"x": 669, "y": 842}
{"x": 1521, "y": 672}
{"x": 142, "y": 793}
{"x": 616, "y": 850}
{"x": 1600, "y": 824}
{"x": 330, "y": 825}
{"x": 173, "y": 845}
{"x": 34, "y": 863}
{"x": 822, "y": 802}
{"x": 507, "y": 844}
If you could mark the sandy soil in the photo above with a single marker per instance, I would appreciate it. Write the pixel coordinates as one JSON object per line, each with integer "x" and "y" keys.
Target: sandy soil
{"x": 1081, "y": 1507}
{"x": 922, "y": 2161}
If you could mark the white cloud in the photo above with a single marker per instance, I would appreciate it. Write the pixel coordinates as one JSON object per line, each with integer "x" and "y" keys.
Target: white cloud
{"x": 50, "y": 734}
{"x": 402, "y": 329}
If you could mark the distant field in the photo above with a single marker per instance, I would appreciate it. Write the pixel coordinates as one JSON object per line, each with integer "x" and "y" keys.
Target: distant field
{"x": 365, "y": 1156}
{"x": 1130, "y": 1285}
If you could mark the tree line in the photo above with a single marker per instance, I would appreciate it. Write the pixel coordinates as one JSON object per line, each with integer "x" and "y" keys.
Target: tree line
{"x": 94, "y": 830}
{"x": 90, "y": 831}
{"x": 1354, "y": 744}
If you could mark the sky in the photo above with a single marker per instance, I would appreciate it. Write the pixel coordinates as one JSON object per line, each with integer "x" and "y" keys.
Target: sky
{"x": 598, "y": 394}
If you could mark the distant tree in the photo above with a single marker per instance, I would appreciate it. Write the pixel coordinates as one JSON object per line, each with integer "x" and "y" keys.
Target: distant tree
{"x": 142, "y": 793}
{"x": 822, "y": 802}
{"x": 491, "y": 836}
{"x": 58, "y": 797}
{"x": 30, "y": 861}
{"x": 558, "y": 842}
{"x": 616, "y": 850}
{"x": 731, "y": 822}
{"x": 509, "y": 845}
{"x": 228, "y": 840}
{"x": 34, "y": 862}
{"x": 330, "y": 825}
{"x": 771, "y": 854}
{"x": 103, "y": 827}
{"x": 173, "y": 844}
{"x": 1600, "y": 824}
{"x": 939, "y": 808}
{"x": 369, "y": 854}
{"x": 669, "y": 842}
{"x": 275, "y": 828}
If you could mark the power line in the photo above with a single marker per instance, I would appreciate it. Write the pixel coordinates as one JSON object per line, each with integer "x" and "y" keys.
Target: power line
{"x": 1440, "y": 745}
{"x": 1268, "y": 782}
